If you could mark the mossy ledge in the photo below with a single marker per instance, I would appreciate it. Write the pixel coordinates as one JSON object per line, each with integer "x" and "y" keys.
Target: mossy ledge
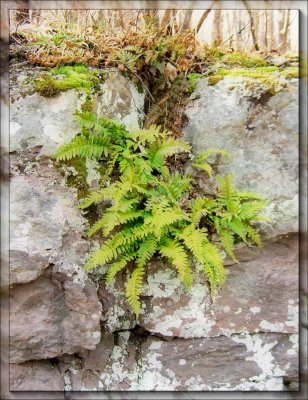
{"x": 76, "y": 77}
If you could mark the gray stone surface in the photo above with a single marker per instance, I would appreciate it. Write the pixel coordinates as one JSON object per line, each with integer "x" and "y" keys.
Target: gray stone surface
{"x": 36, "y": 376}
{"x": 121, "y": 101}
{"x": 96, "y": 360}
{"x": 241, "y": 362}
{"x": 261, "y": 136}
{"x": 245, "y": 340}
{"x": 48, "y": 122}
{"x": 43, "y": 215}
{"x": 48, "y": 319}
{"x": 260, "y": 295}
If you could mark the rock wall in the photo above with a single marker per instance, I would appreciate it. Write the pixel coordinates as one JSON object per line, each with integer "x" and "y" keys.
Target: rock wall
{"x": 69, "y": 332}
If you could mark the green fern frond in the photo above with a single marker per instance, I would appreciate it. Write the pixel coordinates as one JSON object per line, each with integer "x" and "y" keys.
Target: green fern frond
{"x": 113, "y": 218}
{"x": 250, "y": 196}
{"x": 133, "y": 288}
{"x": 146, "y": 250}
{"x": 200, "y": 207}
{"x": 209, "y": 271}
{"x": 227, "y": 240}
{"x": 97, "y": 196}
{"x": 174, "y": 186}
{"x": 86, "y": 119}
{"x": 101, "y": 256}
{"x": 166, "y": 148}
{"x": 208, "y": 152}
{"x": 213, "y": 259}
{"x": 117, "y": 267}
{"x": 163, "y": 217}
{"x": 204, "y": 166}
{"x": 200, "y": 159}
{"x": 239, "y": 228}
{"x": 128, "y": 236}
{"x": 175, "y": 252}
{"x": 250, "y": 210}
{"x": 119, "y": 244}
{"x": 254, "y": 235}
{"x": 84, "y": 147}
{"x": 194, "y": 240}
{"x": 144, "y": 136}
{"x": 225, "y": 188}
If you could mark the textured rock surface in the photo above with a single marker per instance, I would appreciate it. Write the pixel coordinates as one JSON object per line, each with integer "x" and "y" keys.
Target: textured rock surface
{"x": 260, "y": 294}
{"x": 121, "y": 101}
{"x": 245, "y": 340}
{"x": 47, "y": 321}
{"x": 262, "y": 137}
{"x": 35, "y": 376}
{"x": 239, "y": 362}
{"x": 36, "y": 120}
{"x": 43, "y": 216}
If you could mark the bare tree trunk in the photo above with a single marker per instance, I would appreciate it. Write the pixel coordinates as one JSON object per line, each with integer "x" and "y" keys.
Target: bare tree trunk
{"x": 265, "y": 31}
{"x": 202, "y": 19}
{"x": 187, "y": 20}
{"x": 285, "y": 31}
{"x": 175, "y": 23}
{"x": 166, "y": 18}
{"x": 252, "y": 27}
{"x": 270, "y": 34}
{"x": 216, "y": 27}
{"x": 120, "y": 19}
{"x": 229, "y": 26}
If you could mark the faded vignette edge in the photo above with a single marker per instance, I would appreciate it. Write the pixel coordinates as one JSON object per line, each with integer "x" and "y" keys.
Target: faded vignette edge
{"x": 5, "y": 393}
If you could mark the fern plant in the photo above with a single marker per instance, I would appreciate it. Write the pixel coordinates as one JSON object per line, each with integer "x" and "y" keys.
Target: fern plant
{"x": 153, "y": 212}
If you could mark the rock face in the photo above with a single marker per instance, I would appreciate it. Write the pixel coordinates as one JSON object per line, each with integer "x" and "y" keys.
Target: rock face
{"x": 35, "y": 376}
{"x": 255, "y": 298}
{"x": 70, "y": 332}
{"x": 261, "y": 134}
{"x": 121, "y": 101}
{"x": 48, "y": 320}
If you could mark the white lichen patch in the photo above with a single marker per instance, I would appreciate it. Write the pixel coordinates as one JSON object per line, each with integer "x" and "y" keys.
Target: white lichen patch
{"x": 92, "y": 171}
{"x": 154, "y": 376}
{"x": 293, "y": 315}
{"x": 271, "y": 326}
{"x": 189, "y": 321}
{"x": 67, "y": 381}
{"x": 165, "y": 284}
{"x": 117, "y": 370}
{"x": 155, "y": 345}
{"x": 255, "y": 310}
{"x": 271, "y": 376}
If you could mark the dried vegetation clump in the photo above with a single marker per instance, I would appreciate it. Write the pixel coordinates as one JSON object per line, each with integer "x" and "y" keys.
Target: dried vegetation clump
{"x": 165, "y": 61}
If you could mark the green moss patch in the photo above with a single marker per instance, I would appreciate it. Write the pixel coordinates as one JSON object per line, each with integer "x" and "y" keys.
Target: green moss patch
{"x": 213, "y": 79}
{"x": 243, "y": 60}
{"x": 290, "y": 72}
{"x": 74, "y": 77}
{"x": 257, "y": 73}
{"x": 192, "y": 79}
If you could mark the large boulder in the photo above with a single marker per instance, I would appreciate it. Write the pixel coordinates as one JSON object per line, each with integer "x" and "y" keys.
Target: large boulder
{"x": 36, "y": 376}
{"x": 261, "y": 133}
{"x": 243, "y": 362}
{"x": 54, "y": 306}
{"x": 49, "y": 318}
{"x": 121, "y": 100}
{"x": 245, "y": 339}
{"x": 260, "y": 295}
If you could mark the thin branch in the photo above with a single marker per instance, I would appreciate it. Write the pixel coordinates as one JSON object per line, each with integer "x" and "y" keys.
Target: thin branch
{"x": 202, "y": 19}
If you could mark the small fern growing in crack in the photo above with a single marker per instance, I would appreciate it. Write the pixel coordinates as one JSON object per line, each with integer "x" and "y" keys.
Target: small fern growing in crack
{"x": 153, "y": 211}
